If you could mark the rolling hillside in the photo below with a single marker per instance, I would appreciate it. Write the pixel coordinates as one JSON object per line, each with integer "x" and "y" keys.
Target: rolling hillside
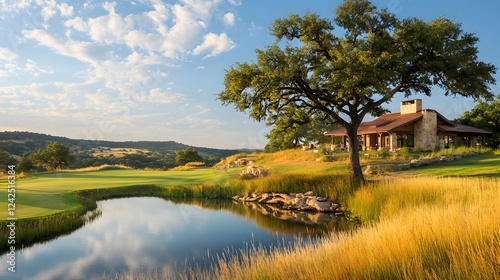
{"x": 18, "y": 143}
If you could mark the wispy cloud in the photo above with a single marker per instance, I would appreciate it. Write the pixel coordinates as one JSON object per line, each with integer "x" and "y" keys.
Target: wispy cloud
{"x": 214, "y": 44}
{"x": 228, "y": 19}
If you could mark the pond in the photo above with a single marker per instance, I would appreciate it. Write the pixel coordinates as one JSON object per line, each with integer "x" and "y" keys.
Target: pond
{"x": 146, "y": 233}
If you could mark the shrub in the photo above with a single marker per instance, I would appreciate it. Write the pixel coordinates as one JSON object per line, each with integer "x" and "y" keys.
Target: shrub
{"x": 382, "y": 153}
{"x": 404, "y": 153}
{"x": 497, "y": 152}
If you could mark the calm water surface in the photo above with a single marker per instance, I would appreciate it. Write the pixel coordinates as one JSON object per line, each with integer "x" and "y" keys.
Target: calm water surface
{"x": 143, "y": 234}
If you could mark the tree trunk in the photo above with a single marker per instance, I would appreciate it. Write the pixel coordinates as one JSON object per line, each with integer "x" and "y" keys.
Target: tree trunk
{"x": 356, "y": 171}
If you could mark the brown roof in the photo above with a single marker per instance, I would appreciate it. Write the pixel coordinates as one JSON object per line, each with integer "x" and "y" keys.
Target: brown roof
{"x": 390, "y": 122}
{"x": 462, "y": 128}
{"x": 385, "y": 123}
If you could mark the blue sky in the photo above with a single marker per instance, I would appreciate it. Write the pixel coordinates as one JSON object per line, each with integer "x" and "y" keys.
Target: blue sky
{"x": 151, "y": 69}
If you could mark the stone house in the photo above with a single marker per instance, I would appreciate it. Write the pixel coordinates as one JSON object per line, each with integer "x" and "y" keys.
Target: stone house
{"x": 413, "y": 127}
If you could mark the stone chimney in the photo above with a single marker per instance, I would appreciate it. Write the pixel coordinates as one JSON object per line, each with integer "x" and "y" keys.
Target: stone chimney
{"x": 411, "y": 106}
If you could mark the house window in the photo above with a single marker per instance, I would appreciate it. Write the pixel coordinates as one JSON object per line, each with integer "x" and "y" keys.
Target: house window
{"x": 405, "y": 140}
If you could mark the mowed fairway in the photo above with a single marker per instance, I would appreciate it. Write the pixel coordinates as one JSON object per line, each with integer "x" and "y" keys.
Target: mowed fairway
{"x": 45, "y": 194}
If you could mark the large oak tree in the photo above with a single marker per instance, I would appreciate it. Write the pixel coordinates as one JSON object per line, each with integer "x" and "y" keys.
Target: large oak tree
{"x": 350, "y": 66}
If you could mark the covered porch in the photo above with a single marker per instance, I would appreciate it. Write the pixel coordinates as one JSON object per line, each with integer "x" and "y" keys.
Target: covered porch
{"x": 390, "y": 141}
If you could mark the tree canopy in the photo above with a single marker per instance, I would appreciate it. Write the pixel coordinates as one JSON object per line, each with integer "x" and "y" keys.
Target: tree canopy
{"x": 6, "y": 159}
{"x": 55, "y": 156}
{"x": 485, "y": 115}
{"x": 347, "y": 67}
{"x": 289, "y": 133}
{"x": 187, "y": 155}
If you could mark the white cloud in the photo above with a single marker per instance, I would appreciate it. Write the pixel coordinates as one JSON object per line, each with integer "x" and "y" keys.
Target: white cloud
{"x": 214, "y": 44}
{"x": 184, "y": 33}
{"x": 107, "y": 29}
{"x": 77, "y": 23}
{"x": 160, "y": 96}
{"x": 235, "y": 2}
{"x": 14, "y": 5}
{"x": 228, "y": 19}
{"x": 202, "y": 8}
{"x": 83, "y": 51}
{"x": 49, "y": 8}
{"x": 66, "y": 10}
{"x": 169, "y": 30}
{"x": 7, "y": 55}
{"x": 110, "y": 7}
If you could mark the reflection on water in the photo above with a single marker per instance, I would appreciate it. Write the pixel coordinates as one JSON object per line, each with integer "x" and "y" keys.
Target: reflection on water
{"x": 142, "y": 234}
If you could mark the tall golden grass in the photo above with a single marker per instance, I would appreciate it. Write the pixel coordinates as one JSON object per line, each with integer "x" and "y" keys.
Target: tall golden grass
{"x": 432, "y": 228}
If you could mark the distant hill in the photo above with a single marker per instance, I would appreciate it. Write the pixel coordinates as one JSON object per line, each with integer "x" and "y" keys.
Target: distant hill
{"x": 18, "y": 143}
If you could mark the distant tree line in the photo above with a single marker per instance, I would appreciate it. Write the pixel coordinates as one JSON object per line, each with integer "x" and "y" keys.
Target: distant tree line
{"x": 58, "y": 156}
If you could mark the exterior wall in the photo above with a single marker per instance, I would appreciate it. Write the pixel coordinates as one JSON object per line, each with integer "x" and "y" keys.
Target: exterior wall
{"x": 426, "y": 131}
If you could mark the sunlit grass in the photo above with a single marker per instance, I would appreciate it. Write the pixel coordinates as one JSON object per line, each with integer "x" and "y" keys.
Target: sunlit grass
{"x": 451, "y": 231}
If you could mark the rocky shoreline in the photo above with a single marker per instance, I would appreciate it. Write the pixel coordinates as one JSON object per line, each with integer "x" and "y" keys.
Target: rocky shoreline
{"x": 294, "y": 201}
{"x": 415, "y": 163}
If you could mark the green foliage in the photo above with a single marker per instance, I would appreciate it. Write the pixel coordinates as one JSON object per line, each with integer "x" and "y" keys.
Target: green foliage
{"x": 497, "y": 152}
{"x": 297, "y": 128}
{"x": 25, "y": 163}
{"x": 485, "y": 115}
{"x": 405, "y": 153}
{"x": 55, "y": 156}
{"x": 312, "y": 71}
{"x": 383, "y": 153}
{"x": 5, "y": 160}
{"x": 188, "y": 155}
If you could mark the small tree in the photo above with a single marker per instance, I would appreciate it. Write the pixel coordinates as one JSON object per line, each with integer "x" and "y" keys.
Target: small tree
{"x": 25, "y": 163}
{"x": 5, "y": 160}
{"x": 344, "y": 77}
{"x": 188, "y": 155}
{"x": 55, "y": 156}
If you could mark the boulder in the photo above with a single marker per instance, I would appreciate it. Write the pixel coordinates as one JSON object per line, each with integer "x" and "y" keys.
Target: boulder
{"x": 369, "y": 169}
{"x": 265, "y": 197}
{"x": 415, "y": 163}
{"x": 321, "y": 199}
{"x": 285, "y": 197}
{"x": 299, "y": 202}
{"x": 275, "y": 200}
{"x": 246, "y": 176}
{"x": 319, "y": 206}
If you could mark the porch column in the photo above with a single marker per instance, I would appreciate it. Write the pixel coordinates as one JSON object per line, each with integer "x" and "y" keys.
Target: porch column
{"x": 379, "y": 141}
{"x": 393, "y": 139}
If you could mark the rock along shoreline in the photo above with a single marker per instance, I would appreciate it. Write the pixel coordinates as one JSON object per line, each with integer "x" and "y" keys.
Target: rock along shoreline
{"x": 295, "y": 201}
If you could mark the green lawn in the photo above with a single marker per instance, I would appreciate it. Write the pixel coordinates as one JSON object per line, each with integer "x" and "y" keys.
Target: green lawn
{"x": 45, "y": 194}
{"x": 481, "y": 165}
